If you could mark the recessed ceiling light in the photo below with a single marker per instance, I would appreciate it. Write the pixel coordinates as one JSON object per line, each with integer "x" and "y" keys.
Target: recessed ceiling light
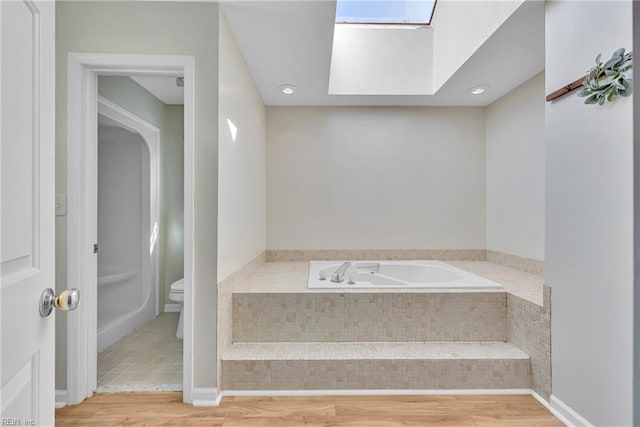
{"x": 477, "y": 90}
{"x": 287, "y": 89}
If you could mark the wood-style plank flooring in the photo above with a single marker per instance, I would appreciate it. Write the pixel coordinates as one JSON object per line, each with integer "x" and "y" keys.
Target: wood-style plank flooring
{"x": 167, "y": 409}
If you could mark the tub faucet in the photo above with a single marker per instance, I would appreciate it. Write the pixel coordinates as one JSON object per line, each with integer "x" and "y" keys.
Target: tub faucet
{"x": 338, "y": 275}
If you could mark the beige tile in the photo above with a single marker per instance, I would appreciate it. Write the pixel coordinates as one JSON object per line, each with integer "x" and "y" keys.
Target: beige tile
{"x": 163, "y": 378}
{"x": 369, "y": 254}
{"x": 364, "y": 316}
{"x": 518, "y": 314}
{"x": 529, "y": 328}
{"x": 292, "y": 277}
{"x": 149, "y": 355}
{"x": 324, "y": 366}
{"x": 520, "y": 263}
{"x": 372, "y": 350}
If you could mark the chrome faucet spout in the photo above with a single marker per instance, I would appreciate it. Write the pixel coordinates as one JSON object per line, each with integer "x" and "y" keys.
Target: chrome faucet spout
{"x": 338, "y": 275}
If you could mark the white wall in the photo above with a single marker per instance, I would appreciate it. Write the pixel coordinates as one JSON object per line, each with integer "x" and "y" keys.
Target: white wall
{"x": 375, "y": 178}
{"x": 460, "y": 28}
{"x": 375, "y": 60}
{"x": 636, "y": 137}
{"x": 172, "y": 181}
{"x": 171, "y": 28}
{"x": 241, "y": 168}
{"x": 589, "y": 217}
{"x": 515, "y": 171}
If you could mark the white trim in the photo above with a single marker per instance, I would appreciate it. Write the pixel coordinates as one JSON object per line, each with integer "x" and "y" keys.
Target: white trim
{"x": 82, "y": 115}
{"x": 83, "y": 69}
{"x": 61, "y": 398}
{"x": 206, "y": 397}
{"x": 566, "y": 414}
{"x": 541, "y": 399}
{"x": 150, "y": 134}
{"x": 547, "y": 405}
{"x": 189, "y": 203}
{"x": 172, "y": 308}
{"x": 383, "y": 392}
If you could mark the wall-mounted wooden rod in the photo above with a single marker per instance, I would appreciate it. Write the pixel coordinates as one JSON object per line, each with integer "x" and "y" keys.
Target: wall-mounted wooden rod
{"x": 565, "y": 90}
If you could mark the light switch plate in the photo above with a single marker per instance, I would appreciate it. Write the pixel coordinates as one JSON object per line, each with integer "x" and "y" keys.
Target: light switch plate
{"x": 61, "y": 204}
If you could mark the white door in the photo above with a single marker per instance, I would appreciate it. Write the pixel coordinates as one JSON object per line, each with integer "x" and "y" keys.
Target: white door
{"x": 26, "y": 210}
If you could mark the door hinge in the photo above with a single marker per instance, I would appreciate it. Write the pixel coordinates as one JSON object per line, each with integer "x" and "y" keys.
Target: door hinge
{"x": 95, "y": 248}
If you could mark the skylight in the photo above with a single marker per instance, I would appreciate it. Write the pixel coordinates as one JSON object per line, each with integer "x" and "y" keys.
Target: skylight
{"x": 416, "y": 12}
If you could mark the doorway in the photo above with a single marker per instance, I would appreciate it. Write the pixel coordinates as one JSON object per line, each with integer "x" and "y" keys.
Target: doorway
{"x": 84, "y": 71}
{"x": 138, "y": 347}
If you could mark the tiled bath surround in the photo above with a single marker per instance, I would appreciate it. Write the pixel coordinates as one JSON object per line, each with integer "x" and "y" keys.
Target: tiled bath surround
{"x": 377, "y": 366}
{"x": 444, "y": 374}
{"x": 525, "y": 324}
{"x": 375, "y": 254}
{"x": 527, "y": 265}
{"x": 225, "y": 288}
{"x": 369, "y": 317}
{"x": 529, "y": 329}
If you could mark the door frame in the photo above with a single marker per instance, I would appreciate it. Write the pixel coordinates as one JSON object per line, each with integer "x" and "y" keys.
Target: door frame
{"x": 82, "y": 111}
{"x": 150, "y": 135}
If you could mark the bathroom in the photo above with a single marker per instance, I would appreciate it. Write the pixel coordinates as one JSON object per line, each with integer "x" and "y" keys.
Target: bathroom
{"x": 473, "y": 176}
{"x": 140, "y": 233}
{"x": 370, "y": 184}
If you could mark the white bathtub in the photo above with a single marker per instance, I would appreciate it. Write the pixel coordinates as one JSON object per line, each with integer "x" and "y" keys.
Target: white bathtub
{"x": 396, "y": 274}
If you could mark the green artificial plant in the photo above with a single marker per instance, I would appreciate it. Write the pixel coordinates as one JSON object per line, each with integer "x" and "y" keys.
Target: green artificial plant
{"x": 607, "y": 80}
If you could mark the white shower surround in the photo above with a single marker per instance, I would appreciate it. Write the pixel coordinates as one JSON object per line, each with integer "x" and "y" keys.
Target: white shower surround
{"x": 150, "y": 134}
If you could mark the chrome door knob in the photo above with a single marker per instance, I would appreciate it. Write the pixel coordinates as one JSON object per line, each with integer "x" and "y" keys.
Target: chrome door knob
{"x": 68, "y": 300}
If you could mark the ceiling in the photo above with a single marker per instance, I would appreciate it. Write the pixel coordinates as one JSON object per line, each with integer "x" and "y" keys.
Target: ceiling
{"x": 290, "y": 42}
{"x": 162, "y": 87}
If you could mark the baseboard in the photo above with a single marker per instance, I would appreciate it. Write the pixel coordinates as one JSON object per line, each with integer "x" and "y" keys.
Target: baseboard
{"x": 61, "y": 398}
{"x": 566, "y": 414}
{"x": 365, "y": 392}
{"x": 205, "y": 397}
{"x": 172, "y": 308}
{"x": 544, "y": 402}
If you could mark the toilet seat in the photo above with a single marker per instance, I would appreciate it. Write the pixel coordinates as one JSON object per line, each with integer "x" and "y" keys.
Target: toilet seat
{"x": 177, "y": 286}
{"x": 176, "y": 294}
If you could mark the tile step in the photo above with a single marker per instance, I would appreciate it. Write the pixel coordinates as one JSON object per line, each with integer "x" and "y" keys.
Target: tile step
{"x": 374, "y": 365}
{"x": 363, "y": 317}
{"x": 372, "y": 350}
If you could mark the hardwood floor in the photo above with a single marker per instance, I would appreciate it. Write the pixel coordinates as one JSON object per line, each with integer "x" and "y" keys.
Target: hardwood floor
{"x": 167, "y": 409}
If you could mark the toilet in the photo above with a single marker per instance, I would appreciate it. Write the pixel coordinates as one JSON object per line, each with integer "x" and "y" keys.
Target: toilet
{"x": 176, "y": 294}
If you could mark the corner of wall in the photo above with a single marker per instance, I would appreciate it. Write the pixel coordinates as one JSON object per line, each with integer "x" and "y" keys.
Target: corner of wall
{"x": 515, "y": 171}
{"x": 242, "y": 162}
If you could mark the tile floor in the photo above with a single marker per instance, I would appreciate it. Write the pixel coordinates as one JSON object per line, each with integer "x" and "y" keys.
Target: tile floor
{"x": 149, "y": 358}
